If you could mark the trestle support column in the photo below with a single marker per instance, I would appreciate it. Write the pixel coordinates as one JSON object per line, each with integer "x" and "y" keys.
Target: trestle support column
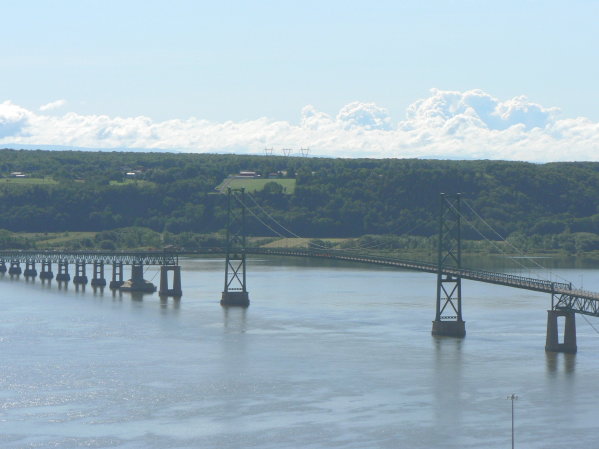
{"x": 30, "y": 270}
{"x": 117, "y": 275}
{"x": 569, "y": 341}
{"x": 80, "y": 276}
{"x": 46, "y": 272}
{"x": 164, "y": 287}
{"x": 98, "y": 277}
{"x": 63, "y": 271}
{"x": 15, "y": 267}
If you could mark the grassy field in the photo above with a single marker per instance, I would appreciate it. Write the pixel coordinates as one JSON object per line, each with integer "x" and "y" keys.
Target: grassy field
{"x": 131, "y": 181}
{"x": 56, "y": 239}
{"x": 293, "y": 242}
{"x": 256, "y": 185}
{"x": 26, "y": 181}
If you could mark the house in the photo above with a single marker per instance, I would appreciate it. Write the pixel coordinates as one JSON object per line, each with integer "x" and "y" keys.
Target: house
{"x": 247, "y": 174}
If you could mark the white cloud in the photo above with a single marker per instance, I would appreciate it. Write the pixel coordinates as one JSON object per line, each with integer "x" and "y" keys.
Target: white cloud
{"x": 13, "y": 119}
{"x": 446, "y": 124}
{"x": 53, "y": 105}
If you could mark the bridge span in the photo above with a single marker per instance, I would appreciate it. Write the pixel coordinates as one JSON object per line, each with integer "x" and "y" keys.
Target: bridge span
{"x": 566, "y": 301}
{"x": 168, "y": 262}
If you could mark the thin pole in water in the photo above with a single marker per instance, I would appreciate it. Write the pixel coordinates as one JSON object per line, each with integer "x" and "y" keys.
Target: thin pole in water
{"x": 512, "y": 397}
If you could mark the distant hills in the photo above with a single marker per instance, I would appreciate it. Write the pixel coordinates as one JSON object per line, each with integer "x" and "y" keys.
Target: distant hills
{"x": 552, "y": 205}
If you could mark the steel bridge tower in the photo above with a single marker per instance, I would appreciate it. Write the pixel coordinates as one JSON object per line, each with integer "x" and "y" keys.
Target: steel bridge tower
{"x": 235, "y": 292}
{"x": 448, "y": 315}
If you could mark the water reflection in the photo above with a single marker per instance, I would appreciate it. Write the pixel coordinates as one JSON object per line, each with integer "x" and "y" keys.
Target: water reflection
{"x": 137, "y": 296}
{"x": 117, "y": 294}
{"x": 235, "y": 319}
{"x": 164, "y": 300}
{"x": 552, "y": 360}
{"x": 448, "y": 381}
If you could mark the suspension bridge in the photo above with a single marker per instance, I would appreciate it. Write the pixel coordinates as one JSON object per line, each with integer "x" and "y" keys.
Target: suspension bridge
{"x": 566, "y": 301}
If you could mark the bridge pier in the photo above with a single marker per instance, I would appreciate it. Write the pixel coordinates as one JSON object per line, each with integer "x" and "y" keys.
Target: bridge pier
{"x": 449, "y": 328}
{"x": 2, "y": 266}
{"x": 46, "y": 272}
{"x": 63, "y": 271}
{"x": 568, "y": 344}
{"x": 176, "y": 290}
{"x": 80, "y": 276}
{"x": 117, "y": 275}
{"x": 137, "y": 283}
{"x": 98, "y": 278}
{"x": 15, "y": 267}
{"x": 30, "y": 270}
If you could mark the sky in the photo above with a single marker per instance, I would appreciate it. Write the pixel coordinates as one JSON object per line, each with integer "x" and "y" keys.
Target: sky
{"x": 455, "y": 79}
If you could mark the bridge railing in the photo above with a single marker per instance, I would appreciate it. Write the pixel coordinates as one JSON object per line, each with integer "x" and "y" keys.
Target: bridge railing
{"x": 480, "y": 275}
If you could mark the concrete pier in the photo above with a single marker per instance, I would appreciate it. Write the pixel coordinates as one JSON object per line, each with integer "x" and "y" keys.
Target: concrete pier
{"x": 80, "y": 276}
{"x": 137, "y": 283}
{"x": 568, "y": 344}
{"x": 235, "y": 299}
{"x": 46, "y": 272}
{"x": 117, "y": 275}
{"x": 15, "y": 268}
{"x": 98, "y": 274}
{"x": 30, "y": 270}
{"x": 63, "y": 271}
{"x": 2, "y": 266}
{"x": 164, "y": 287}
{"x": 449, "y": 328}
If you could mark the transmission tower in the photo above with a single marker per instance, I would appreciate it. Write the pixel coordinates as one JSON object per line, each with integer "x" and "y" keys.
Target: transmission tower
{"x": 305, "y": 152}
{"x": 286, "y": 151}
{"x": 268, "y": 151}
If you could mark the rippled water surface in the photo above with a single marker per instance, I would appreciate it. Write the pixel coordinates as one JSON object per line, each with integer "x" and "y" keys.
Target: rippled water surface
{"x": 327, "y": 356}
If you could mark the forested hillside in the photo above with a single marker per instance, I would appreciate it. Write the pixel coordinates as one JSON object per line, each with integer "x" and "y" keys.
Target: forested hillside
{"x": 88, "y": 191}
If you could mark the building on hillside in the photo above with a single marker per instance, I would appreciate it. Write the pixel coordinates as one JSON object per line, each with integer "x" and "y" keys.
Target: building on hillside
{"x": 247, "y": 174}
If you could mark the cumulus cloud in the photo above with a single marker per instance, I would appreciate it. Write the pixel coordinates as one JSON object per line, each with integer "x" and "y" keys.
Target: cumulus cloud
{"x": 364, "y": 115}
{"x": 13, "y": 119}
{"x": 52, "y": 105}
{"x": 446, "y": 124}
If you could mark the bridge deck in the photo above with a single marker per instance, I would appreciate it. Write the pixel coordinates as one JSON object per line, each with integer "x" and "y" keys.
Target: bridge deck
{"x": 579, "y": 301}
{"x": 107, "y": 257}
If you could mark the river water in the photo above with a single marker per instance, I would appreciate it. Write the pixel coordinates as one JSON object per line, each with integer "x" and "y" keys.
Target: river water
{"x": 328, "y": 355}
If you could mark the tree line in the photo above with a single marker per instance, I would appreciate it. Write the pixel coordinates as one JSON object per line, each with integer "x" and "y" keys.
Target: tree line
{"x": 555, "y": 204}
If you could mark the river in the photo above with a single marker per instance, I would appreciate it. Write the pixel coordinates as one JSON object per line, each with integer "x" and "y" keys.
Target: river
{"x": 328, "y": 355}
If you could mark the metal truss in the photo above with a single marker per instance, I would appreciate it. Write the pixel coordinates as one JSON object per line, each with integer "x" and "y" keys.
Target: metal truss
{"x": 127, "y": 258}
{"x": 583, "y": 304}
{"x": 449, "y": 286}
{"x": 235, "y": 264}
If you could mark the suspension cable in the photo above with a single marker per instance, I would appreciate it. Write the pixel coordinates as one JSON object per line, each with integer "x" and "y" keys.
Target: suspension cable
{"x": 519, "y": 251}
{"x": 484, "y": 236}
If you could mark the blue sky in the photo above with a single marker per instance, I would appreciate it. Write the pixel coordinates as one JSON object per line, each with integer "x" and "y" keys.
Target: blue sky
{"x": 264, "y": 62}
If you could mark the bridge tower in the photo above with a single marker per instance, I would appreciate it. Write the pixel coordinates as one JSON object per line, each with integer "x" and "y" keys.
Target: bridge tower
{"x": 235, "y": 292}
{"x": 448, "y": 315}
